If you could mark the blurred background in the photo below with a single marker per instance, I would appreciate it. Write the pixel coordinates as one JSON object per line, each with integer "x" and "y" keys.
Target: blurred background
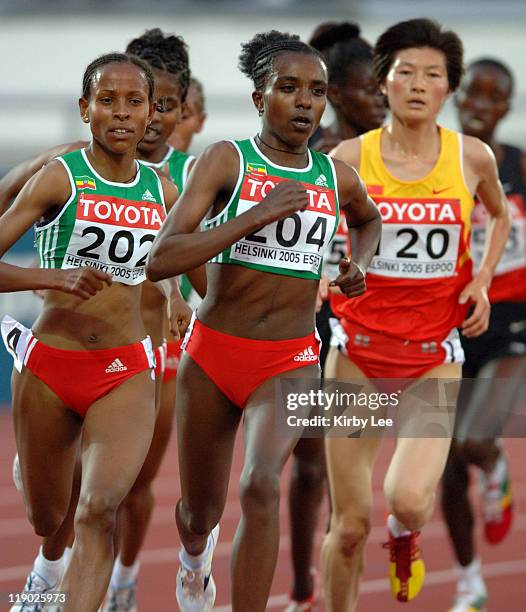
{"x": 45, "y": 46}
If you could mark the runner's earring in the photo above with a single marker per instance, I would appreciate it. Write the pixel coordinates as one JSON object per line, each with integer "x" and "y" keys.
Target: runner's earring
{"x": 260, "y": 112}
{"x": 85, "y": 119}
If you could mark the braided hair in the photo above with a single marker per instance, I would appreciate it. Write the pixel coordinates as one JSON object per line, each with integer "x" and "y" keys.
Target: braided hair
{"x": 116, "y": 58}
{"x": 342, "y": 47}
{"x": 166, "y": 52}
{"x": 257, "y": 55}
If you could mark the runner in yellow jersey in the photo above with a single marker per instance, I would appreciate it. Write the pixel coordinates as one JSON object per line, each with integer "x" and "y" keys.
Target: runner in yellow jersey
{"x": 422, "y": 178}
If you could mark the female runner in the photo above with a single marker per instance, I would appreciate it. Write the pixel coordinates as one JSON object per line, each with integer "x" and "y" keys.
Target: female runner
{"x": 358, "y": 105}
{"x": 484, "y": 404}
{"x": 86, "y": 366}
{"x": 422, "y": 178}
{"x": 274, "y": 208}
{"x": 168, "y": 58}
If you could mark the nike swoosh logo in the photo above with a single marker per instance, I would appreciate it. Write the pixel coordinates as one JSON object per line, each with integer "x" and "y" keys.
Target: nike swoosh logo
{"x": 206, "y": 581}
{"x": 437, "y": 191}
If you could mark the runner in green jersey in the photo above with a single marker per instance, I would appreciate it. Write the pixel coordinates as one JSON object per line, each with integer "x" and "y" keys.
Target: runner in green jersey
{"x": 118, "y": 205}
{"x": 274, "y": 206}
{"x": 167, "y": 55}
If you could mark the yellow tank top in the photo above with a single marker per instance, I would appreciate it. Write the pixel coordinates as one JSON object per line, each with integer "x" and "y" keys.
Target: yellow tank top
{"x": 423, "y": 260}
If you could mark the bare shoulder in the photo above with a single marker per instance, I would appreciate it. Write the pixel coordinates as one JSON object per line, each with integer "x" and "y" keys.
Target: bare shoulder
{"x": 348, "y": 151}
{"x": 49, "y": 188}
{"x": 170, "y": 191}
{"x": 478, "y": 156}
{"x": 346, "y": 174}
{"x": 218, "y": 164}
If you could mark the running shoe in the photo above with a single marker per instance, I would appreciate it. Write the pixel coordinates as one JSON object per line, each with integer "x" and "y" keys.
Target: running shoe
{"x": 34, "y": 584}
{"x": 122, "y": 599}
{"x": 497, "y": 502}
{"x": 471, "y": 595}
{"x": 307, "y": 605}
{"x": 406, "y": 568}
{"x": 196, "y": 589}
{"x": 17, "y": 476}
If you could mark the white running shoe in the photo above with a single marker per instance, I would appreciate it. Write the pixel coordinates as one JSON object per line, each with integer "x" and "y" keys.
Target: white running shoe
{"x": 34, "y": 584}
{"x": 471, "y": 594}
{"x": 17, "y": 476}
{"x": 196, "y": 589}
{"x": 122, "y": 599}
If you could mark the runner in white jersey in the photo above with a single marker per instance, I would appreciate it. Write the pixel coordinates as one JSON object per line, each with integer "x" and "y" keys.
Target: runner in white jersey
{"x": 86, "y": 366}
{"x": 274, "y": 206}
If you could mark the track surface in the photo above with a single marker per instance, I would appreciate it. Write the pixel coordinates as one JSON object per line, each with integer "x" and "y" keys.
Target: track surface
{"x": 504, "y": 565}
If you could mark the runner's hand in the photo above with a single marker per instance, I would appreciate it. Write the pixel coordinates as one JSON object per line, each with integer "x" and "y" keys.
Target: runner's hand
{"x": 477, "y": 323}
{"x": 351, "y": 279}
{"x": 83, "y": 282}
{"x": 282, "y": 201}
{"x": 180, "y": 315}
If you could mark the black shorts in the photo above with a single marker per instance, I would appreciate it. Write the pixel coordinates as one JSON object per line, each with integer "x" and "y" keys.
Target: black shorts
{"x": 324, "y": 330}
{"x": 485, "y": 407}
{"x": 506, "y": 337}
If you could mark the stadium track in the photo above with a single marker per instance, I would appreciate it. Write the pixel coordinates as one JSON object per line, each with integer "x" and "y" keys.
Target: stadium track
{"x": 504, "y": 566}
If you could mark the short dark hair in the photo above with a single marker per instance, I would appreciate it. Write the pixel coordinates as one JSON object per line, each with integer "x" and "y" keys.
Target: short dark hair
{"x": 116, "y": 58}
{"x": 342, "y": 47}
{"x": 491, "y": 62}
{"x": 419, "y": 33}
{"x": 166, "y": 52}
{"x": 257, "y": 55}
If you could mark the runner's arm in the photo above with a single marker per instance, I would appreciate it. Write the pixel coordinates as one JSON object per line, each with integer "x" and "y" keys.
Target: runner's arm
{"x": 12, "y": 183}
{"x": 40, "y": 194}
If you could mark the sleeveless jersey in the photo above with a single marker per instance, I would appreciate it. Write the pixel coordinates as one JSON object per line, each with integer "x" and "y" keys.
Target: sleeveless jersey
{"x": 106, "y": 225}
{"x": 176, "y": 164}
{"x": 509, "y": 282}
{"x": 295, "y": 245}
{"x": 422, "y": 262}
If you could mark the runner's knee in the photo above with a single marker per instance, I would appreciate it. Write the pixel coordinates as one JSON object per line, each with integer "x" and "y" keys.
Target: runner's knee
{"x": 259, "y": 489}
{"x": 351, "y": 531}
{"x": 97, "y": 510}
{"x": 411, "y": 506}
{"x": 199, "y": 521}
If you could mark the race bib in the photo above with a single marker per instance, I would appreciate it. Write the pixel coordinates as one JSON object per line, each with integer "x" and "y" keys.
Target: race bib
{"x": 336, "y": 251}
{"x": 17, "y": 338}
{"x": 296, "y": 242}
{"x": 420, "y": 238}
{"x": 114, "y": 235}
{"x": 514, "y": 255}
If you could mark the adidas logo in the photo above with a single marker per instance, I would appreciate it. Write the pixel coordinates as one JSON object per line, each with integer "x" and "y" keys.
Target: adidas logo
{"x": 116, "y": 366}
{"x": 147, "y": 195}
{"x": 306, "y": 355}
{"x": 321, "y": 181}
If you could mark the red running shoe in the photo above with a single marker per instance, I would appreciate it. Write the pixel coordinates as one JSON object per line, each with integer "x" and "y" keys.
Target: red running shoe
{"x": 497, "y": 502}
{"x": 406, "y": 568}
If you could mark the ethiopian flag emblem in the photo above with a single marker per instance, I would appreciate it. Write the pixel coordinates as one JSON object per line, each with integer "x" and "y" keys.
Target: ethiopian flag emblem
{"x": 256, "y": 168}
{"x": 85, "y": 182}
